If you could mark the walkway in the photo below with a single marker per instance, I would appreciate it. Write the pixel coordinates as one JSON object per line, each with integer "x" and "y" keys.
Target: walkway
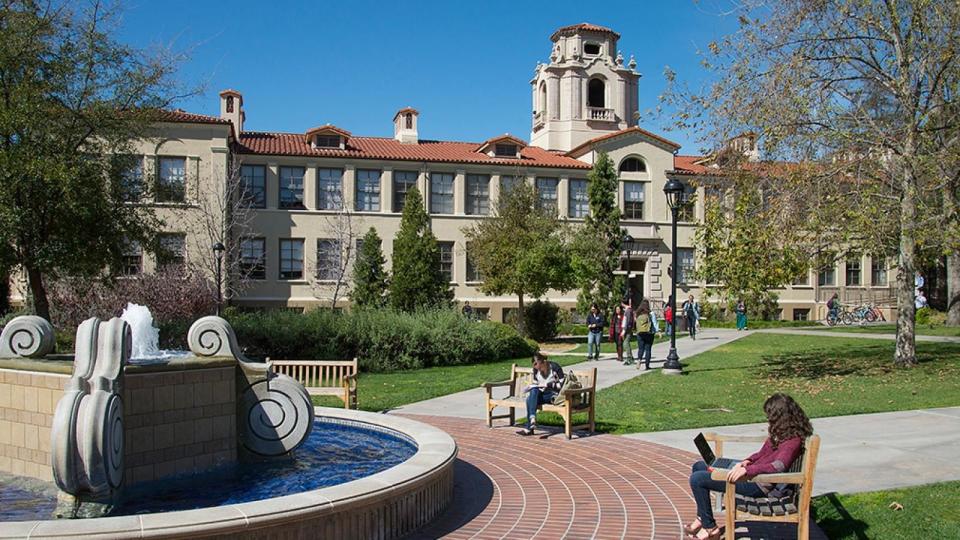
{"x": 469, "y": 403}
{"x": 863, "y": 452}
{"x": 864, "y": 335}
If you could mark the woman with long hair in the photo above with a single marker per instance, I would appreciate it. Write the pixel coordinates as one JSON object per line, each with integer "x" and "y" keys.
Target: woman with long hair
{"x": 787, "y": 429}
{"x": 615, "y": 321}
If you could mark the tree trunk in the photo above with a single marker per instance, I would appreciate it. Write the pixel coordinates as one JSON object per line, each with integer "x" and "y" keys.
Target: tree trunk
{"x": 40, "y": 303}
{"x": 953, "y": 260}
{"x": 906, "y": 351}
{"x": 521, "y": 325}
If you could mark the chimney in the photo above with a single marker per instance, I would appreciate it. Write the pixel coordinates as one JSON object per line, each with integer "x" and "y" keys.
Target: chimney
{"x": 231, "y": 108}
{"x": 405, "y": 125}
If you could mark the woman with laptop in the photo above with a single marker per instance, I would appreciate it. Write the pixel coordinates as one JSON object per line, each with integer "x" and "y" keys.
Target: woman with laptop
{"x": 788, "y": 427}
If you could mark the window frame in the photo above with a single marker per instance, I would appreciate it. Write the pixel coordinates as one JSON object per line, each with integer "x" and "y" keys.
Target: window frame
{"x": 257, "y": 270}
{"x": 167, "y": 259}
{"x": 437, "y": 197}
{"x": 329, "y": 198}
{"x": 329, "y": 141}
{"x": 401, "y": 179}
{"x": 508, "y": 150}
{"x": 849, "y": 266}
{"x": 446, "y": 249}
{"x": 630, "y": 206}
{"x": 879, "y": 266}
{"x": 477, "y": 195}
{"x": 132, "y": 186}
{"x": 164, "y": 187}
{"x": 368, "y": 194}
{"x": 133, "y": 251}
{"x": 282, "y": 188}
{"x": 643, "y": 165}
{"x": 578, "y": 200}
{"x": 473, "y": 274}
{"x": 280, "y": 268}
{"x": 545, "y": 203}
{"x": 685, "y": 267}
{"x": 249, "y": 192}
{"x": 332, "y": 258}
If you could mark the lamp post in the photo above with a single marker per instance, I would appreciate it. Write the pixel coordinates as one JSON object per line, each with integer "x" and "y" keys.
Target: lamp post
{"x": 218, "y": 250}
{"x": 628, "y": 244}
{"x": 674, "y": 191}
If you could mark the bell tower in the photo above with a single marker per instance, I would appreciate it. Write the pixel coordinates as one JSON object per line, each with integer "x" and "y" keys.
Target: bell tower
{"x": 585, "y": 91}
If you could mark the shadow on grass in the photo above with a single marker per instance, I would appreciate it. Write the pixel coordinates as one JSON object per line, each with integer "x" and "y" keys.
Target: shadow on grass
{"x": 866, "y": 360}
{"x": 829, "y": 513}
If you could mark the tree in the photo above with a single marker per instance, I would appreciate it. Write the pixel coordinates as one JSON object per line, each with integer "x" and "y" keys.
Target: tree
{"x": 862, "y": 90}
{"x": 369, "y": 278}
{"x": 521, "y": 249}
{"x": 418, "y": 281}
{"x": 335, "y": 254}
{"x": 69, "y": 96}
{"x": 598, "y": 244}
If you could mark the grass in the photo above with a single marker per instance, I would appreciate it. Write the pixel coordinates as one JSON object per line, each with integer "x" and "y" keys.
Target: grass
{"x": 383, "y": 391}
{"x": 607, "y": 347}
{"x": 922, "y": 329}
{"x": 929, "y": 511}
{"x": 828, "y": 376}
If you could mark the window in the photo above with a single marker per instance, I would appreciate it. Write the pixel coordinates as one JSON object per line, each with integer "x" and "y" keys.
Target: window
{"x": 229, "y": 104}
{"x": 481, "y": 313}
{"x": 408, "y": 121}
{"x": 547, "y": 194}
{"x": 801, "y": 314}
{"x": 328, "y": 259}
{"x": 685, "y": 265}
{"x": 327, "y": 141}
{"x": 329, "y": 189}
{"x": 402, "y": 182}
{"x": 291, "y": 258}
{"x": 172, "y": 180}
{"x": 478, "y": 194}
{"x": 803, "y": 280}
{"x": 291, "y": 187}
{"x": 633, "y": 165}
{"x": 446, "y": 259}
{"x": 686, "y": 210}
{"x": 579, "y": 203}
{"x": 853, "y": 271}
{"x": 826, "y": 277}
{"x": 253, "y": 258}
{"x": 878, "y": 271}
{"x": 473, "y": 273}
{"x": 505, "y": 150}
{"x": 368, "y": 190}
{"x": 441, "y": 193}
{"x": 591, "y": 49}
{"x": 171, "y": 251}
{"x": 712, "y": 195}
{"x": 132, "y": 262}
{"x": 131, "y": 177}
{"x": 253, "y": 185}
{"x": 507, "y": 183}
{"x": 596, "y": 95}
{"x": 632, "y": 200}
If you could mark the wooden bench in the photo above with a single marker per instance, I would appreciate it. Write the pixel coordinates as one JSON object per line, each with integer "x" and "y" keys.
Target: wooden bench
{"x": 323, "y": 377}
{"x": 792, "y": 509}
{"x": 580, "y": 400}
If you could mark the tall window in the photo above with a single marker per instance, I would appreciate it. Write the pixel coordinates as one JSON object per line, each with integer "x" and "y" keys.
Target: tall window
{"x": 291, "y": 187}
{"x": 408, "y": 121}
{"x": 595, "y": 94}
{"x": 329, "y": 189}
{"x": 633, "y": 200}
{"x": 368, "y": 190}
{"x": 172, "y": 251}
{"x": 473, "y": 273}
{"x": 253, "y": 258}
{"x": 328, "y": 259}
{"x": 826, "y": 277}
{"x": 878, "y": 271}
{"x": 578, "y": 205}
{"x": 686, "y": 210}
{"x": 853, "y": 271}
{"x": 446, "y": 259}
{"x": 478, "y": 194}
{"x": 547, "y": 194}
{"x": 507, "y": 183}
{"x": 132, "y": 264}
{"x": 171, "y": 179}
{"x": 441, "y": 193}
{"x": 402, "y": 182}
{"x": 291, "y": 258}
{"x": 633, "y": 165}
{"x": 685, "y": 265}
{"x": 131, "y": 177}
{"x": 253, "y": 185}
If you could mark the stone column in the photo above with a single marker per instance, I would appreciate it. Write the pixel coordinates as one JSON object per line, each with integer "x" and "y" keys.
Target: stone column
{"x": 310, "y": 186}
{"x": 349, "y": 186}
{"x": 459, "y": 192}
{"x": 563, "y": 196}
{"x": 273, "y": 185}
{"x": 494, "y": 191}
{"x": 386, "y": 190}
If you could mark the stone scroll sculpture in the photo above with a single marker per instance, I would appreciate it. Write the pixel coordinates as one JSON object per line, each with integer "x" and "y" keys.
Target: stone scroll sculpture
{"x": 87, "y": 434}
{"x": 275, "y": 413}
{"x": 27, "y": 336}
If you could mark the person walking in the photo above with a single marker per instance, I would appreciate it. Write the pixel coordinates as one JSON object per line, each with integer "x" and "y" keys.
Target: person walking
{"x": 668, "y": 316}
{"x": 833, "y": 307}
{"x": 616, "y": 322}
{"x": 626, "y": 329}
{"x": 467, "y": 310}
{"x": 691, "y": 311}
{"x": 594, "y": 331}
{"x": 741, "y": 315}
{"x": 646, "y": 331}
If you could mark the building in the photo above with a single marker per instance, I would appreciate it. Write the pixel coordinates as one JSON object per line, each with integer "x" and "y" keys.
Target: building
{"x": 298, "y": 185}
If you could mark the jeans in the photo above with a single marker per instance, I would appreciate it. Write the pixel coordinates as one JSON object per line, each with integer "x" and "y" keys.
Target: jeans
{"x": 692, "y": 327}
{"x": 645, "y": 349}
{"x": 627, "y": 336}
{"x": 669, "y": 329}
{"x": 535, "y": 398}
{"x": 701, "y": 485}
{"x": 593, "y": 345}
{"x": 741, "y": 321}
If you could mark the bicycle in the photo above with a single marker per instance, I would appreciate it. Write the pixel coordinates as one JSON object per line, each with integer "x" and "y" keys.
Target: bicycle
{"x": 864, "y": 313}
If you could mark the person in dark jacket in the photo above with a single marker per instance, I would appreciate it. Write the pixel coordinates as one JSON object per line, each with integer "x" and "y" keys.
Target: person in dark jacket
{"x": 616, "y": 320}
{"x": 594, "y": 331}
{"x": 546, "y": 382}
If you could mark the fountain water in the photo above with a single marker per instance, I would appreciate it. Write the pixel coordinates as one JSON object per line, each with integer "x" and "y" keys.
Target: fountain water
{"x": 146, "y": 336}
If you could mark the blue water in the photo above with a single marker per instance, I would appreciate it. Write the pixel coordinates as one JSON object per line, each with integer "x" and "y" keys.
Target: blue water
{"x": 333, "y": 454}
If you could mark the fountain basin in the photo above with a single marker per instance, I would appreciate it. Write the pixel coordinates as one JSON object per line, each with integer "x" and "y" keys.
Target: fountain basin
{"x": 387, "y": 504}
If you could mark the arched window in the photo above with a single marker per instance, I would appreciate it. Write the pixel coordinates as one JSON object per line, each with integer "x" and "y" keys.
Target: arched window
{"x": 543, "y": 97}
{"x": 633, "y": 165}
{"x": 596, "y": 96}
{"x": 408, "y": 120}
{"x": 229, "y": 104}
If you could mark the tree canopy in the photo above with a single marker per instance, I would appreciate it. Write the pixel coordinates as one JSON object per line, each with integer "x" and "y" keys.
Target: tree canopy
{"x": 369, "y": 277}
{"x": 418, "y": 281}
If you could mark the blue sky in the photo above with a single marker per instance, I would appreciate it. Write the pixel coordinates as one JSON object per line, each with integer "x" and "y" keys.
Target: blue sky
{"x": 465, "y": 66}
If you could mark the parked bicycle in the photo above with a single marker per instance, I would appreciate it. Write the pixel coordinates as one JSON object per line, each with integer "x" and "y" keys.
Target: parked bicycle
{"x": 863, "y": 313}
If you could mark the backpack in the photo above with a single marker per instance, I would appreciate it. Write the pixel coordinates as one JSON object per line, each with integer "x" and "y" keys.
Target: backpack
{"x": 643, "y": 325}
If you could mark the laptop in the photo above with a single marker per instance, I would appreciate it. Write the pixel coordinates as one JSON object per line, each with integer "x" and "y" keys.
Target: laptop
{"x": 708, "y": 456}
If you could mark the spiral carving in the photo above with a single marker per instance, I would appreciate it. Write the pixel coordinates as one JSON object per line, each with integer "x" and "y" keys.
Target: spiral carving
{"x": 276, "y": 416}
{"x": 213, "y": 336}
{"x": 27, "y": 336}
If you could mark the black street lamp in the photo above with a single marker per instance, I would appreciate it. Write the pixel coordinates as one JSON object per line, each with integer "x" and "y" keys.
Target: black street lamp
{"x": 628, "y": 244}
{"x": 674, "y": 191}
{"x": 218, "y": 250}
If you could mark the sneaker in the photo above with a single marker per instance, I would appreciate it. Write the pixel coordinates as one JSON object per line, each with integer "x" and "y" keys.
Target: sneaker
{"x": 527, "y": 431}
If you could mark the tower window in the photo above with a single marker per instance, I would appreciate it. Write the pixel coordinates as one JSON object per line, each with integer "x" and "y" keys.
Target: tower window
{"x": 408, "y": 121}
{"x": 633, "y": 165}
{"x": 591, "y": 49}
{"x": 543, "y": 97}
{"x": 229, "y": 104}
{"x": 596, "y": 94}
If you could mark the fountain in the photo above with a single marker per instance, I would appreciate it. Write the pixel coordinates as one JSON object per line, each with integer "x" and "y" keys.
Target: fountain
{"x": 132, "y": 441}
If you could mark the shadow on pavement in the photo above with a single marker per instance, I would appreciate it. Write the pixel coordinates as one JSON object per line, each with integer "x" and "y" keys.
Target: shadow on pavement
{"x": 759, "y": 530}
{"x": 472, "y": 492}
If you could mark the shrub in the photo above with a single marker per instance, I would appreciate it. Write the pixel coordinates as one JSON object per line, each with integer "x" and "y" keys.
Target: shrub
{"x": 542, "y": 320}
{"x": 930, "y": 316}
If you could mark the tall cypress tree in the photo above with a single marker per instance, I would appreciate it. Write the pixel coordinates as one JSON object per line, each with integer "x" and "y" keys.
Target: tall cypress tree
{"x": 597, "y": 245}
{"x": 417, "y": 280}
{"x": 369, "y": 277}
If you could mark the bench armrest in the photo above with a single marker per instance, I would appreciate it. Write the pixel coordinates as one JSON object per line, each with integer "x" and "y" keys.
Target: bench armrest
{"x": 772, "y": 478}
{"x": 715, "y": 437}
{"x": 496, "y": 384}
{"x": 349, "y": 381}
{"x": 574, "y": 391}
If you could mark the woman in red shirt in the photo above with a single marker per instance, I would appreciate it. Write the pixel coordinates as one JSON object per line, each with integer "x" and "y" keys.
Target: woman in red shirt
{"x": 788, "y": 428}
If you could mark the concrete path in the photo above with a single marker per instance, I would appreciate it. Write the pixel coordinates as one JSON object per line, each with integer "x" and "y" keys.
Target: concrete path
{"x": 863, "y": 452}
{"x": 864, "y": 335}
{"x": 469, "y": 403}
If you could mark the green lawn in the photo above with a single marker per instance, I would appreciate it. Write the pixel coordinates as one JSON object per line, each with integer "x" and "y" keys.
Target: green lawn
{"x": 930, "y": 511}
{"x": 381, "y": 391}
{"x": 828, "y": 376}
{"x": 922, "y": 329}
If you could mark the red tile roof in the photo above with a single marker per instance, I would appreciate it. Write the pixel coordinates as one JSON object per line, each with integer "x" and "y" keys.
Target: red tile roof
{"x": 505, "y": 137}
{"x": 293, "y": 144}
{"x": 179, "y": 116}
{"x": 329, "y": 128}
{"x": 585, "y": 147}
{"x": 582, "y": 27}
{"x": 689, "y": 165}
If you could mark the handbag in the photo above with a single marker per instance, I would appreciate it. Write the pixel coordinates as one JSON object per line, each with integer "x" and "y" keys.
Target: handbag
{"x": 570, "y": 382}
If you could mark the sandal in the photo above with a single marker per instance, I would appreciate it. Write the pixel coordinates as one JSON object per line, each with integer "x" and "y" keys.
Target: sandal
{"x": 715, "y": 534}
{"x": 691, "y": 531}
